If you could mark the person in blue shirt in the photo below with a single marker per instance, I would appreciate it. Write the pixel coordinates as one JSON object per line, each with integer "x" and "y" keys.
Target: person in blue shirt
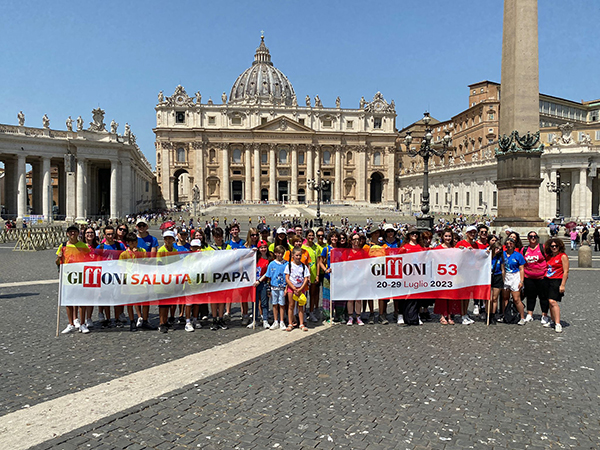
{"x": 182, "y": 244}
{"x": 236, "y": 242}
{"x": 514, "y": 277}
{"x": 150, "y": 245}
{"x": 276, "y": 274}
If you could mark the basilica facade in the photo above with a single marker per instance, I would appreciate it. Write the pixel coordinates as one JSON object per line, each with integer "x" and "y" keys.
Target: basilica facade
{"x": 258, "y": 144}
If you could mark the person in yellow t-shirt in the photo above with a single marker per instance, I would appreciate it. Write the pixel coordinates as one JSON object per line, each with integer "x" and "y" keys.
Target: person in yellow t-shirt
{"x": 132, "y": 252}
{"x": 314, "y": 252}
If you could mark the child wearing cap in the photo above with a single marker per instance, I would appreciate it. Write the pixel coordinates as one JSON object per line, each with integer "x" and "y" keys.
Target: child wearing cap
{"x": 263, "y": 258}
{"x": 132, "y": 252}
{"x": 276, "y": 274}
{"x": 165, "y": 250}
{"x": 297, "y": 276}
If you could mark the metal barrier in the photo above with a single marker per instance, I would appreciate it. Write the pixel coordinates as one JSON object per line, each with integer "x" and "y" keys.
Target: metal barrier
{"x": 34, "y": 238}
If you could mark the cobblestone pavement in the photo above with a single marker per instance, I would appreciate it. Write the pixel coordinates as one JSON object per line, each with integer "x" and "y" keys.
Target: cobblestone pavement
{"x": 346, "y": 387}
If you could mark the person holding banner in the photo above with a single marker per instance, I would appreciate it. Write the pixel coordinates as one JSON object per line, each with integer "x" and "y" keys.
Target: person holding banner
{"x": 166, "y": 250}
{"x": 556, "y": 278}
{"x": 446, "y": 308}
{"x": 376, "y": 249}
{"x": 73, "y": 250}
{"x": 132, "y": 252}
{"x": 409, "y": 307}
{"x": 263, "y": 259}
{"x": 110, "y": 249}
{"x": 467, "y": 243}
{"x": 297, "y": 276}
{"x": 514, "y": 277}
{"x": 354, "y": 306}
{"x": 217, "y": 309}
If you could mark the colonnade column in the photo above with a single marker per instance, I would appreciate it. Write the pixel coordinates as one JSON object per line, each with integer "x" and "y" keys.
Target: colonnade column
{"x": 10, "y": 186}
{"x": 338, "y": 174}
{"x": 199, "y": 168}
{"x": 585, "y": 198}
{"x": 272, "y": 174}
{"x": 21, "y": 187}
{"x": 225, "y": 196}
{"x": 294, "y": 193}
{"x": 127, "y": 187}
{"x": 248, "y": 173}
{"x": 37, "y": 181}
{"x": 81, "y": 191}
{"x": 551, "y": 196}
{"x": 391, "y": 162}
{"x": 114, "y": 188}
{"x": 257, "y": 171}
{"x": 309, "y": 171}
{"x": 46, "y": 189}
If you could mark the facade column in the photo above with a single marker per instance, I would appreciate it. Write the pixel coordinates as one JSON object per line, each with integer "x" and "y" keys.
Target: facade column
{"x": 81, "y": 189}
{"x": 551, "y": 196}
{"x": 272, "y": 174}
{"x": 199, "y": 168}
{"x": 225, "y": 193}
{"x": 294, "y": 193}
{"x": 257, "y": 172}
{"x": 126, "y": 187}
{"x": 309, "y": 171}
{"x": 114, "y": 189}
{"x": 391, "y": 169}
{"x": 338, "y": 174}
{"x": 585, "y": 198}
{"x": 165, "y": 184}
{"x": 247, "y": 173}
{"x": 21, "y": 187}
{"x": 361, "y": 163}
{"x": 46, "y": 189}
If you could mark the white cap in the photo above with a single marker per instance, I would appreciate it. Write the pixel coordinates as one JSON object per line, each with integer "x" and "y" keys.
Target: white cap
{"x": 169, "y": 233}
{"x": 388, "y": 226}
{"x": 471, "y": 228}
{"x": 196, "y": 243}
{"x": 141, "y": 221}
{"x": 281, "y": 230}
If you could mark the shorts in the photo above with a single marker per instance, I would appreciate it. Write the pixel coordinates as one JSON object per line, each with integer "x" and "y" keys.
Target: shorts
{"x": 164, "y": 306}
{"x": 511, "y": 281}
{"x": 289, "y": 290}
{"x": 553, "y": 289}
{"x": 277, "y": 297}
{"x": 497, "y": 281}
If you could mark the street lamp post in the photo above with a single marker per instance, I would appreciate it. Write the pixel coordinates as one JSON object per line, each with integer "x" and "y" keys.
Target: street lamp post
{"x": 426, "y": 151}
{"x": 318, "y": 185}
{"x": 556, "y": 188}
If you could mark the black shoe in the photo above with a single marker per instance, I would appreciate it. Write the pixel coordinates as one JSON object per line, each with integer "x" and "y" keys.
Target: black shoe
{"x": 146, "y": 326}
{"x": 119, "y": 324}
{"x": 170, "y": 321}
{"x": 104, "y": 324}
{"x": 371, "y": 319}
{"x": 222, "y": 324}
{"x": 215, "y": 325}
{"x": 132, "y": 326}
{"x": 162, "y": 328}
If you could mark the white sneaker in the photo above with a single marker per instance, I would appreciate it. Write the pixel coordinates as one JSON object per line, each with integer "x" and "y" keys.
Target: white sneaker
{"x": 282, "y": 326}
{"x": 548, "y": 324}
{"x": 558, "y": 328}
{"x": 266, "y": 325}
{"x": 349, "y": 321}
{"x": 466, "y": 320}
{"x": 528, "y": 318}
{"x": 70, "y": 328}
{"x": 545, "y": 320}
{"x": 275, "y": 325}
{"x": 197, "y": 325}
{"x": 83, "y": 329}
{"x": 420, "y": 321}
{"x": 101, "y": 317}
{"x": 122, "y": 318}
{"x": 522, "y": 322}
{"x": 189, "y": 326}
{"x": 89, "y": 323}
{"x": 476, "y": 310}
{"x": 77, "y": 323}
{"x": 400, "y": 319}
{"x": 140, "y": 321}
{"x": 250, "y": 325}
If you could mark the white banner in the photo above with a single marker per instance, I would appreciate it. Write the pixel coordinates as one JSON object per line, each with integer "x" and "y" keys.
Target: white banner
{"x": 200, "y": 277}
{"x": 454, "y": 274}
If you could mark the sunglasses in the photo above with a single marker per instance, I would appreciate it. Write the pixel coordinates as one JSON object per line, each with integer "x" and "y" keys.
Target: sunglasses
{"x": 254, "y": 235}
{"x": 320, "y": 235}
{"x": 532, "y": 237}
{"x": 121, "y": 229}
{"x": 553, "y": 246}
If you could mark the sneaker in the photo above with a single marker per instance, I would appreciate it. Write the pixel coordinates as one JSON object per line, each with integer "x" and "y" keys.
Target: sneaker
{"x": 476, "y": 310}
{"x": 275, "y": 325}
{"x": 548, "y": 324}
{"x": 500, "y": 318}
{"x": 266, "y": 325}
{"x": 349, "y": 321}
{"x": 522, "y": 322}
{"x": 215, "y": 325}
{"x": 466, "y": 320}
{"x": 282, "y": 326}
{"x": 400, "y": 320}
{"x": 359, "y": 321}
{"x": 122, "y": 318}
{"x": 196, "y": 323}
{"x": 558, "y": 328}
{"x": 420, "y": 321}
{"x": 133, "y": 326}
{"x": 312, "y": 317}
{"x": 170, "y": 321}
{"x": 162, "y": 328}
{"x": 226, "y": 317}
{"x": 119, "y": 324}
{"x": 101, "y": 317}
{"x": 382, "y": 319}
{"x": 545, "y": 319}
{"x": 222, "y": 324}
{"x": 77, "y": 323}
{"x": 528, "y": 318}
{"x": 189, "y": 326}
{"x": 70, "y": 328}
{"x": 89, "y": 323}
{"x": 245, "y": 320}
{"x": 371, "y": 318}
{"x": 83, "y": 329}
{"x": 146, "y": 325}
{"x": 113, "y": 323}
{"x": 104, "y": 324}
{"x": 139, "y": 322}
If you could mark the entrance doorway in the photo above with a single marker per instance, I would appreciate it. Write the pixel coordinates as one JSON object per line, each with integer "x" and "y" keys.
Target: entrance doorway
{"x": 326, "y": 194}
{"x": 376, "y": 187}
{"x": 264, "y": 195}
{"x": 282, "y": 191}
{"x": 237, "y": 190}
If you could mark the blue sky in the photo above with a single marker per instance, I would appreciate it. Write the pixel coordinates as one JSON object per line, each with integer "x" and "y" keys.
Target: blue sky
{"x": 67, "y": 58}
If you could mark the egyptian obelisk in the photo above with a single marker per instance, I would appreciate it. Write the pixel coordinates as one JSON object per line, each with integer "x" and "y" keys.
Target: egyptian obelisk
{"x": 519, "y": 150}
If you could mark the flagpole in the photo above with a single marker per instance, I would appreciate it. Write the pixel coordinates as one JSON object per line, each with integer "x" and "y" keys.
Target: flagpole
{"x": 58, "y": 306}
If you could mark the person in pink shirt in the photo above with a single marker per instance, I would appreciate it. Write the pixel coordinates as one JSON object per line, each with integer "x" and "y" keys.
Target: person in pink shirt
{"x": 535, "y": 270}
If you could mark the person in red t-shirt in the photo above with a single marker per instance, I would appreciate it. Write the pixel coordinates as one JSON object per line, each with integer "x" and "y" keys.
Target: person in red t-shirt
{"x": 263, "y": 258}
{"x": 556, "y": 278}
{"x": 467, "y": 243}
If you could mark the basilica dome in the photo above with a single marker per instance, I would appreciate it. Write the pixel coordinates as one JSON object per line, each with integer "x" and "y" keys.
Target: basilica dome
{"x": 262, "y": 80}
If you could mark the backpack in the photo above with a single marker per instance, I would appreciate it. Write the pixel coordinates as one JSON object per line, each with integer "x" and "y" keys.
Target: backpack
{"x": 511, "y": 313}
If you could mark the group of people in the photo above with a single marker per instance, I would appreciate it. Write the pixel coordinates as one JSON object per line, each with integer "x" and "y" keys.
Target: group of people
{"x": 293, "y": 270}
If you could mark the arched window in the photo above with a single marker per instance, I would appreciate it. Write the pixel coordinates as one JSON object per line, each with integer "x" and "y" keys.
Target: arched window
{"x": 349, "y": 158}
{"x": 377, "y": 159}
{"x": 263, "y": 158}
{"x": 237, "y": 156}
{"x": 211, "y": 155}
{"x": 326, "y": 157}
{"x": 283, "y": 156}
{"x": 180, "y": 154}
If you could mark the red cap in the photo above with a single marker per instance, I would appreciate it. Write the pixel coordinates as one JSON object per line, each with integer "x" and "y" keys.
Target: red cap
{"x": 261, "y": 243}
